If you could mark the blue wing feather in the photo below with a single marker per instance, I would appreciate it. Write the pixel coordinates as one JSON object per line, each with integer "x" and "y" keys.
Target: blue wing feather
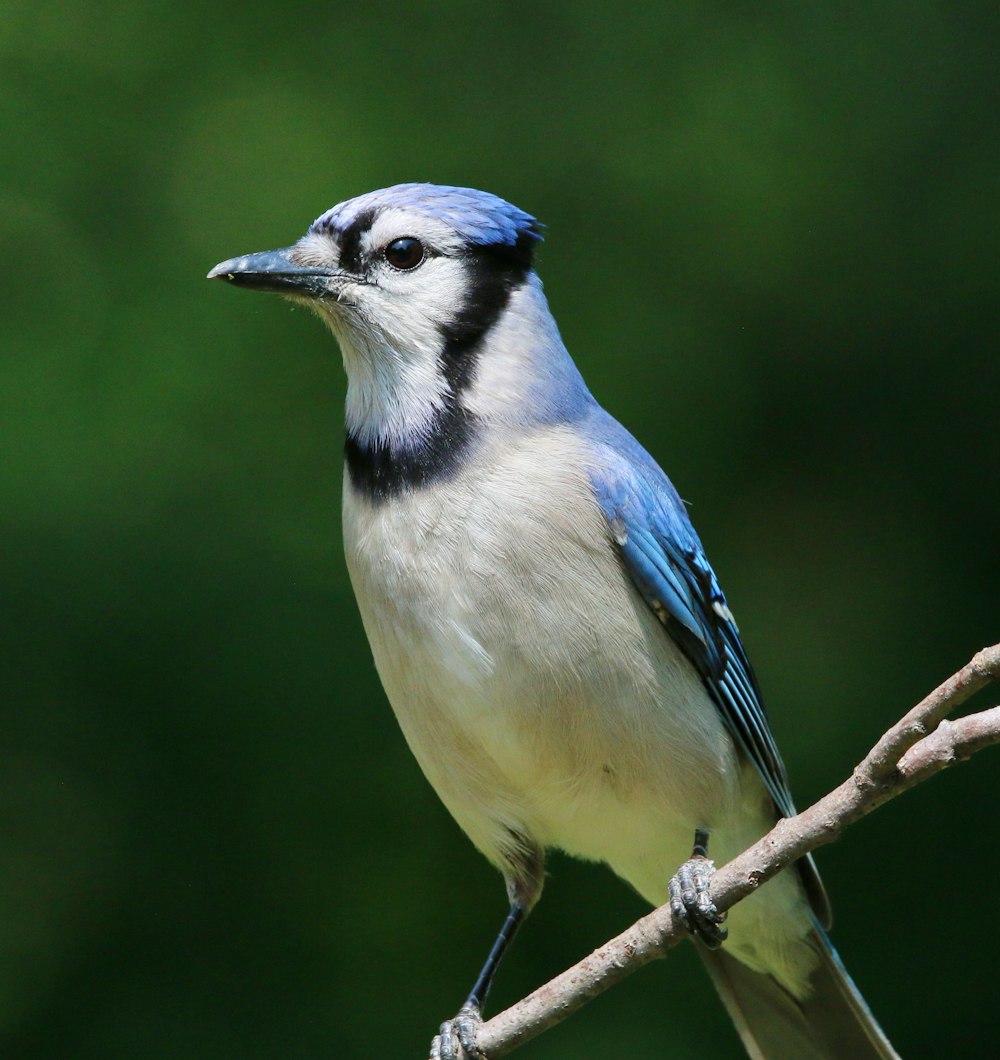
{"x": 663, "y": 556}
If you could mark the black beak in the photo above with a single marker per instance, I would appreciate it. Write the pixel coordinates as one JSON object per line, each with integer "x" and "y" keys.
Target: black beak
{"x": 274, "y": 270}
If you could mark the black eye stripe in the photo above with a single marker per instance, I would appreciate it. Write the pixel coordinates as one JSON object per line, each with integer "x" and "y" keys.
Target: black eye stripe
{"x": 493, "y": 274}
{"x": 350, "y": 241}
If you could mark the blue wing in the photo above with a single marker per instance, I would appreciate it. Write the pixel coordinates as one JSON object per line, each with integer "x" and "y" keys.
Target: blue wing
{"x": 665, "y": 559}
{"x": 662, "y": 554}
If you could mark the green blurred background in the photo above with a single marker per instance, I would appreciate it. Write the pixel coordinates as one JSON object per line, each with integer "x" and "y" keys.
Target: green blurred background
{"x": 772, "y": 249}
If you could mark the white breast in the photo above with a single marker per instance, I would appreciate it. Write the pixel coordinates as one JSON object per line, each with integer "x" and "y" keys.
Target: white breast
{"x": 532, "y": 683}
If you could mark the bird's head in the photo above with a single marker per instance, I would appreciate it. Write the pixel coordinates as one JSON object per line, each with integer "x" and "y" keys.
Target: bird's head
{"x": 431, "y": 294}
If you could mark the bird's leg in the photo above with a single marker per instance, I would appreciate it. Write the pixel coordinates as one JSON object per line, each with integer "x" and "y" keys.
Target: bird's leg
{"x": 457, "y": 1038}
{"x": 690, "y": 900}
{"x": 464, "y": 1028}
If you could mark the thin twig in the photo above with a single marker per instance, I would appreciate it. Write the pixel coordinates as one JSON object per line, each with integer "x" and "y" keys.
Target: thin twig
{"x": 921, "y": 744}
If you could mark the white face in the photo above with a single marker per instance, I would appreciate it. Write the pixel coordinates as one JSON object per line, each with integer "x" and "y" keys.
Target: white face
{"x": 404, "y": 279}
{"x": 397, "y": 288}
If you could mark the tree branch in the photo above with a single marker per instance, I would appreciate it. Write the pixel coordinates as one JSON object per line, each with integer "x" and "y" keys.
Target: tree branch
{"x": 921, "y": 744}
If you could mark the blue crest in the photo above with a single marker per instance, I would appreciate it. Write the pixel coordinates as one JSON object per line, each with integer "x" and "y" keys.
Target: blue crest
{"x": 479, "y": 218}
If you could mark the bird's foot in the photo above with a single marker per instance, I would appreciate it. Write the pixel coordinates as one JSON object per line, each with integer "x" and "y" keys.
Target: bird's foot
{"x": 457, "y": 1038}
{"x": 691, "y": 902}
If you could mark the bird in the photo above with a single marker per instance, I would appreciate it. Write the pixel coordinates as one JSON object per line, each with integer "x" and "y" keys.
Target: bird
{"x": 546, "y": 625}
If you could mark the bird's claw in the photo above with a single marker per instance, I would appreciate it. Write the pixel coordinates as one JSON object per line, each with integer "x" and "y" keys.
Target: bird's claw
{"x": 691, "y": 902}
{"x": 457, "y": 1039}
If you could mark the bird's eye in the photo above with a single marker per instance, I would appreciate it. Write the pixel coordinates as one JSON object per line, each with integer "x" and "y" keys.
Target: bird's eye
{"x": 406, "y": 253}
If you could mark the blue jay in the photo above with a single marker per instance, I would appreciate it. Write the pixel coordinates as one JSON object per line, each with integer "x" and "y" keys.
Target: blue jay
{"x": 547, "y": 627}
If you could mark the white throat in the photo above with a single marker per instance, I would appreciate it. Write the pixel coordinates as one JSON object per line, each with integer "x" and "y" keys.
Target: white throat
{"x": 393, "y": 397}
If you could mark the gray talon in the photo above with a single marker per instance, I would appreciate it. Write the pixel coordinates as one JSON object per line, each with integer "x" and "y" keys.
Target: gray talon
{"x": 691, "y": 902}
{"x": 457, "y": 1037}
